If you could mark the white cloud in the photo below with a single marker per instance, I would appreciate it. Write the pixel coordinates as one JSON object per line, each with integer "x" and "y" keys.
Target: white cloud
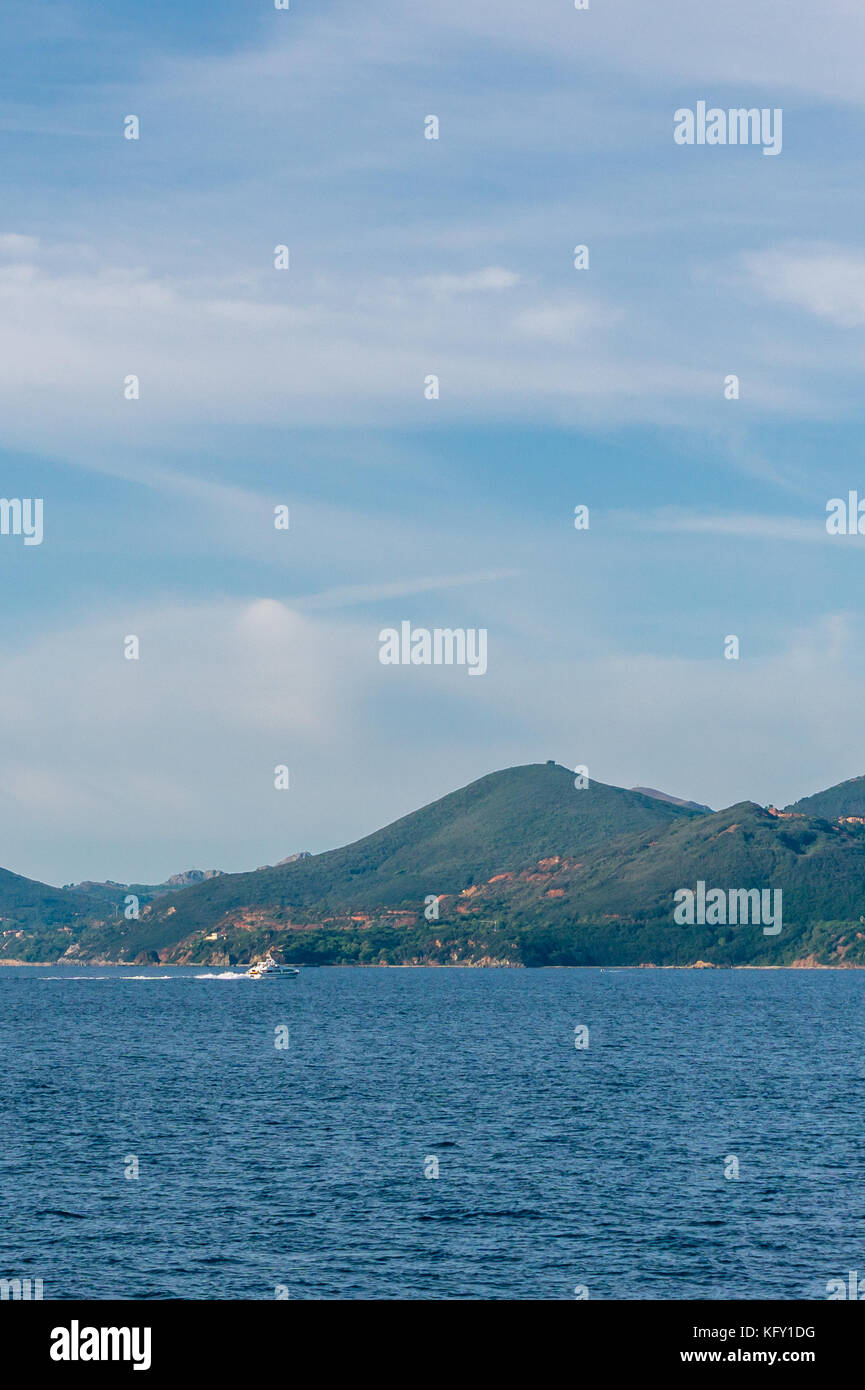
{"x": 769, "y": 727}
{"x": 178, "y": 748}
{"x": 565, "y": 322}
{"x": 167, "y": 763}
{"x": 795, "y": 44}
{"x": 345, "y": 595}
{"x": 747, "y": 526}
{"x": 491, "y": 278}
{"x": 301, "y": 351}
{"x": 826, "y": 281}
{"x": 16, "y": 247}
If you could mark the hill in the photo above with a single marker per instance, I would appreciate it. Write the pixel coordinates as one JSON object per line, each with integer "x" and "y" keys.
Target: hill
{"x": 109, "y": 891}
{"x": 674, "y": 800}
{"x": 35, "y": 916}
{"x": 519, "y": 867}
{"x": 844, "y": 799}
{"x": 616, "y": 904}
{"x": 505, "y": 820}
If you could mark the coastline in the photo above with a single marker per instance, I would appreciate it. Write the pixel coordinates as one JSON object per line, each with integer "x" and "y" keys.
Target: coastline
{"x": 417, "y": 965}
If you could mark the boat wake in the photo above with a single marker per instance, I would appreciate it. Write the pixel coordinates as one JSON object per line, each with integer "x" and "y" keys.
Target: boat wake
{"x": 115, "y": 976}
{"x": 208, "y": 975}
{"x": 224, "y": 975}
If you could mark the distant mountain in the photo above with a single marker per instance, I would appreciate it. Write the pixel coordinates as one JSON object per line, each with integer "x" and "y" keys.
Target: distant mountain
{"x": 289, "y": 859}
{"x": 577, "y": 875}
{"x": 616, "y": 903}
{"x": 507, "y": 819}
{"x": 38, "y": 922}
{"x": 187, "y": 877}
{"x": 845, "y": 799}
{"x": 110, "y": 889}
{"x": 25, "y": 899}
{"x": 673, "y": 800}
{"x": 519, "y": 867}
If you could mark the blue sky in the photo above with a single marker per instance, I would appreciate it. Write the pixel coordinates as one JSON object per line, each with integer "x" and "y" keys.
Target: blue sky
{"x": 408, "y": 257}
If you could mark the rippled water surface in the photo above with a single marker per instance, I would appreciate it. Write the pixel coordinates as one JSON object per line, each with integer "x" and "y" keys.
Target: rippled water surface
{"x": 304, "y": 1167}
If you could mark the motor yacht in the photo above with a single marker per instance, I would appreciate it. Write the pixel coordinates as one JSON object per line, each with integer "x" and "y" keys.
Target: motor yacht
{"x": 269, "y": 966}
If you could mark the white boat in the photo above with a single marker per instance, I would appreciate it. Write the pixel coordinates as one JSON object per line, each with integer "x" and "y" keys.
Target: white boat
{"x": 269, "y": 966}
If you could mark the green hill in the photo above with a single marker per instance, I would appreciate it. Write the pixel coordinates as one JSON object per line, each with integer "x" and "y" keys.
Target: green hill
{"x": 38, "y": 922}
{"x": 616, "y": 905}
{"x": 24, "y": 900}
{"x": 505, "y": 820}
{"x": 845, "y": 799}
{"x": 525, "y": 868}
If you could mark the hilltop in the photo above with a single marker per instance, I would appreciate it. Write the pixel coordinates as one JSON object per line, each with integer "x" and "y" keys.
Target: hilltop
{"x": 844, "y": 799}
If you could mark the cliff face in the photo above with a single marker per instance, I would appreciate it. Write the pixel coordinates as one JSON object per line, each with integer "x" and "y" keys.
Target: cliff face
{"x": 146, "y": 890}
{"x": 183, "y": 880}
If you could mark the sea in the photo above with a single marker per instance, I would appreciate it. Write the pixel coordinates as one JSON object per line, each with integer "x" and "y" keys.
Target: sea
{"x": 370, "y": 1133}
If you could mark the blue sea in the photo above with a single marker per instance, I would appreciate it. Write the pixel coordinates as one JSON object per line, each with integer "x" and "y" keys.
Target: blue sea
{"x": 300, "y": 1170}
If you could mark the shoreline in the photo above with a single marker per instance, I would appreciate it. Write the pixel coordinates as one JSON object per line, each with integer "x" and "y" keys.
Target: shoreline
{"x": 406, "y": 965}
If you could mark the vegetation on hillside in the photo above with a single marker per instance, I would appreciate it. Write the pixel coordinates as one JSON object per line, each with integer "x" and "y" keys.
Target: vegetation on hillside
{"x": 526, "y": 870}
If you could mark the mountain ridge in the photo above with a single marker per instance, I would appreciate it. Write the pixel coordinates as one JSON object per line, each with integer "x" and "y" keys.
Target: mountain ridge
{"x": 845, "y": 799}
{"x": 674, "y": 800}
{"x": 524, "y": 865}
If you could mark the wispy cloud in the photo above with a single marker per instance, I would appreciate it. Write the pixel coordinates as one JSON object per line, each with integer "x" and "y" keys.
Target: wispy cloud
{"x": 490, "y": 278}
{"x": 747, "y": 526}
{"x": 412, "y": 257}
{"x": 826, "y": 281}
{"x": 346, "y": 595}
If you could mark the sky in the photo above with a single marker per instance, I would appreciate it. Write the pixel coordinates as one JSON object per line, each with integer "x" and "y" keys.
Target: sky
{"x": 304, "y": 387}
